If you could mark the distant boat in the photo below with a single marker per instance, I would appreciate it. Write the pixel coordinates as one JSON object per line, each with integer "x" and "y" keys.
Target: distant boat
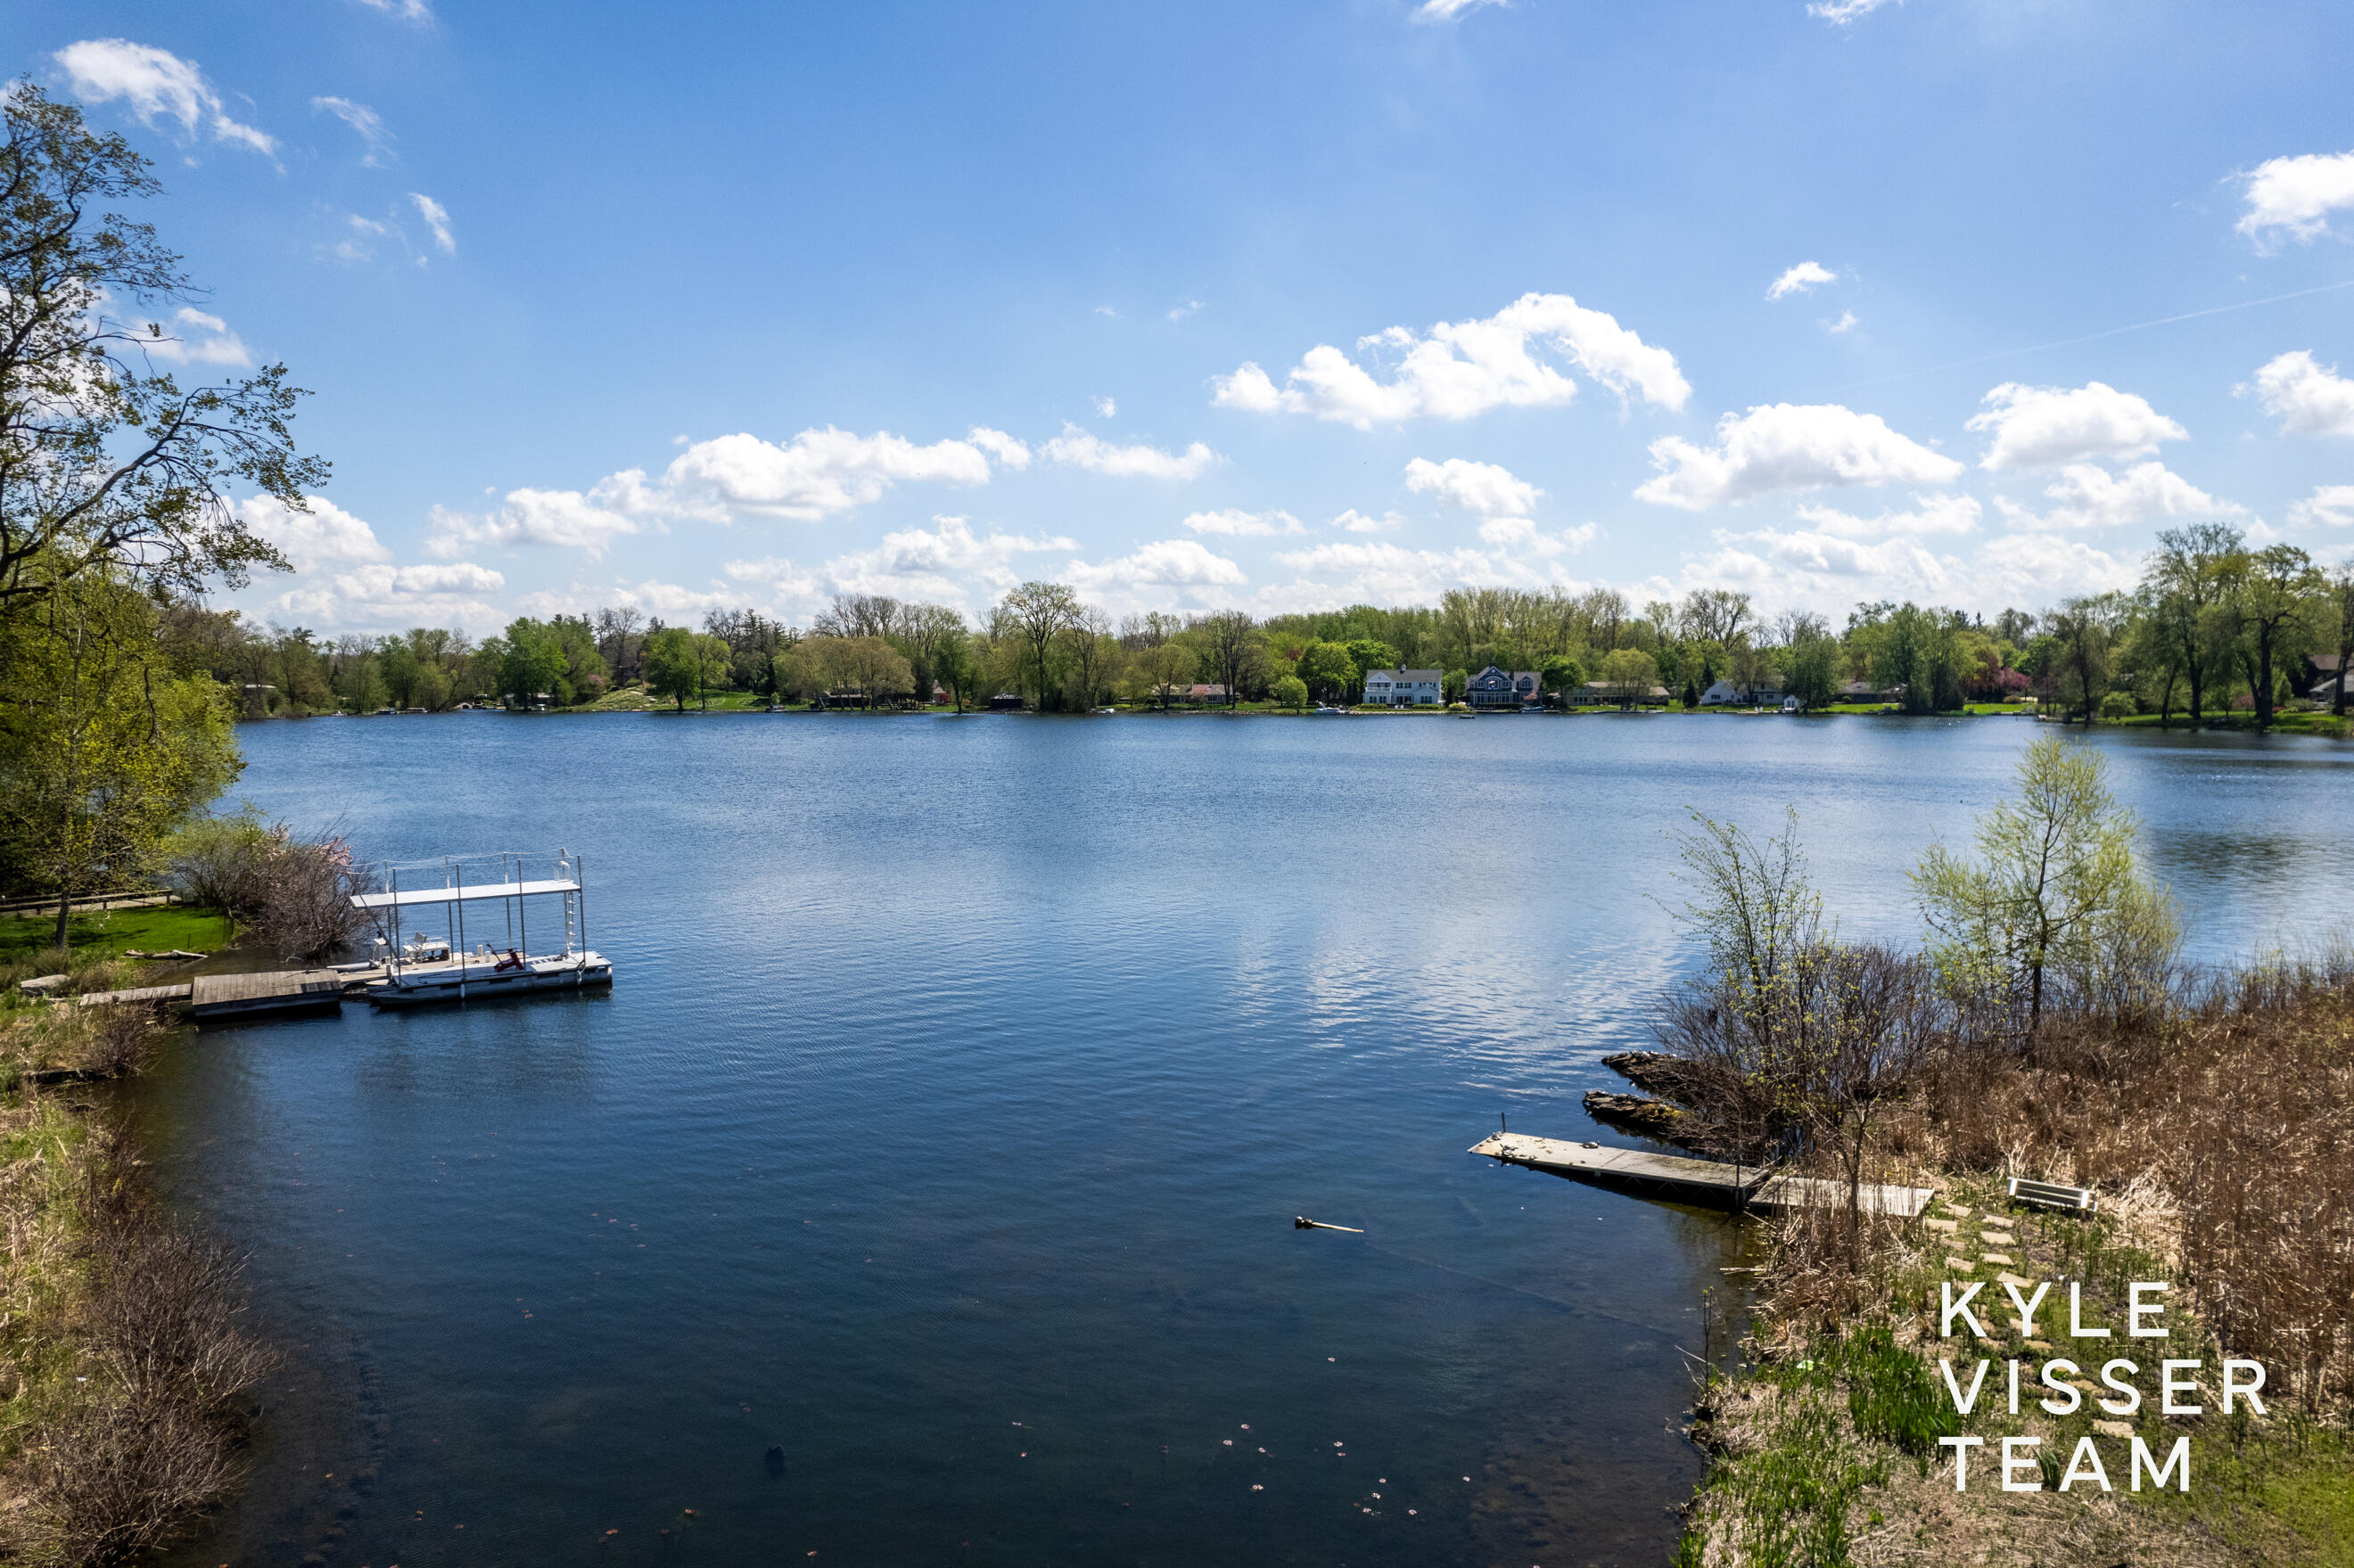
{"x": 427, "y": 969}
{"x": 1328, "y": 708}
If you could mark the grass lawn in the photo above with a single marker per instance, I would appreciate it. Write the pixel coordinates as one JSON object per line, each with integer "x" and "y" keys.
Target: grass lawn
{"x": 154, "y": 931}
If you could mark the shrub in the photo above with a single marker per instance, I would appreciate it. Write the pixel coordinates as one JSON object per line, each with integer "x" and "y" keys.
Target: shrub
{"x": 1290, "y": 692}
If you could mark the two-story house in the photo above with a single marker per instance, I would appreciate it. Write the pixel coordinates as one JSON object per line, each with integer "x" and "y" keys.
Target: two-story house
{"x": 1504, "y": 691}
{"x": 1403, "y": 688}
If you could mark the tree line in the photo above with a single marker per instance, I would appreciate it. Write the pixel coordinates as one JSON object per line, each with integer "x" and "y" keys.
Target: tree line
{"x": 2214, "y": 627}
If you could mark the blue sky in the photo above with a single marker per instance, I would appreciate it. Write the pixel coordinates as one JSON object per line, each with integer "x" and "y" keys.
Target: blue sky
{"x": 1278, "y": 306}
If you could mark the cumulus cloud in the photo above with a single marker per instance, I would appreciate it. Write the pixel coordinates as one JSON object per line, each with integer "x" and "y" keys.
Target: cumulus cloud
{"x": 1355, "y": 522}
{"x": 326, "y": 535}
{"x": 1799, "y": 278}
{"x": 1009, "y": 452}
{"x": 1480, "y": 487}
{"x": 2044, "y": 426}
{"x": 1348, "y": 572}
{"x": 1245, "y": 525}
{"x": 190, "y": 337}
{"x": 619, "y": 505}
{"x": 2305, "y": 395}
{"x": 1522, "y": 535}
{"x": 815, "y": 475}
{"x": 1930, "y": 514}
{"x": 1178, "y": 312}
{"x": 153, "y": 82}
{"x": 366, "y": 121}
{"x": 1107, "y": 407}
{"x": 1448, "y": 10}
{"x": 2293, "y": 197}
{"x": 1457, "y": 370}
{"x": 2329, "y": 506}
{"x": 416, "y": 11}
{"x": 393, "y": 597}
{"x": 937, "y": 564}
{"x": 1786, "y": 447}
{"x": 1165, "y": 572}
{"x": 1846, "y": 322}
{"x": 2091, "y": 497}
{"x": 1840, "y": 13}
{"x": 436, "y": 218}
{"x": 1077, "y": 448}
{"x": 1816, "y": 570}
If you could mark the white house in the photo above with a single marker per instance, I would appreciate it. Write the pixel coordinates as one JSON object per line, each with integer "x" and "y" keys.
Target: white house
{"x": 1401, "y": 688}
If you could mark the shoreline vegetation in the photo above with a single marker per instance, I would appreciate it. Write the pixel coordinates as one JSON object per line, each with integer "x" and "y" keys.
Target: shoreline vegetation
{"x": 126, "y": 1366}
{"x": 2046, "y": 1030}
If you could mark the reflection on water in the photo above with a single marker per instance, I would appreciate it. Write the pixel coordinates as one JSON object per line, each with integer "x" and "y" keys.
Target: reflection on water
{"x": 922, "y": 1191}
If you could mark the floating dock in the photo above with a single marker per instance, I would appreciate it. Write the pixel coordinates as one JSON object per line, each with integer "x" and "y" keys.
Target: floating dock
{"x": 1703, "y": 1182}
{"x": 212, "y": 997}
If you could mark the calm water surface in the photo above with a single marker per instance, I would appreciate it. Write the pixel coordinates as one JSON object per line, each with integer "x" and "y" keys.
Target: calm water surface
{"x": 922, "y": 1191}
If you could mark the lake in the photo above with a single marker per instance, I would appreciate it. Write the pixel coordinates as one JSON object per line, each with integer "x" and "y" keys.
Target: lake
{"x": 922, "y": 1191}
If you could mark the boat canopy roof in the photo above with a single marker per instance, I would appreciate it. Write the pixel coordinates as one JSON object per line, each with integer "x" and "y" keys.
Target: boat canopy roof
{"x": 409, "y": 895}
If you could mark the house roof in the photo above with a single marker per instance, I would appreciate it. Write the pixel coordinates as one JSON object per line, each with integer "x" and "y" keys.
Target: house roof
{"x": 1407, "y": 677}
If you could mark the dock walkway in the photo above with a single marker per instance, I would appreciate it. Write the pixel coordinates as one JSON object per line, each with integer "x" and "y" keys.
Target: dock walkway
{"x": 1703, "y": 1182}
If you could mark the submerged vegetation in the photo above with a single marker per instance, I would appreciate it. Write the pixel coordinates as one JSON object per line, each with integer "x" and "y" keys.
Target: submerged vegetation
{"x": 2047, "y": 1031}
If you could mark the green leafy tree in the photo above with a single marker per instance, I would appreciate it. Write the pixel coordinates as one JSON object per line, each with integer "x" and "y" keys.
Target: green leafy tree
{"x": 674, "y": 665}
{"x": 1371, "y": 654}
{"x": 1565, "y": 674}
{"x": 105, "y": 748}
{"x": 1035, "y": 616}
{"x": 104, "y": 466}
{"x": 1327, "y": 670}
{"x": 534, "y": 664}
{"x": 2189, "y": 576}
{"x": 2275, "y": 594}
{"x": 1628, "y": 675}
{"x": 2054, "y": 889}
{"x": 954, "y": 665}
{"x": 1290, "y": 692}
{"x": 1810, "y": 669}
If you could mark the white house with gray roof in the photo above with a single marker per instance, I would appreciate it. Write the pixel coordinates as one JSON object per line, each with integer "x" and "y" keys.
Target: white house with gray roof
{"x": 1403, "y": 688}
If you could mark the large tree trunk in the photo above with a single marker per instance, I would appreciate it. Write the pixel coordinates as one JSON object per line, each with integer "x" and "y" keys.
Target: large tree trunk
{"x": 64, "y": 914}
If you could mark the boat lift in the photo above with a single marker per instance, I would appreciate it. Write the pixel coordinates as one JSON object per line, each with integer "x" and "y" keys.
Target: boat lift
{"x": 424, "y": 970}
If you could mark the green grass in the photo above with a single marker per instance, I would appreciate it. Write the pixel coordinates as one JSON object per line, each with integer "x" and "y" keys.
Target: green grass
{"x": 157, "y": 929}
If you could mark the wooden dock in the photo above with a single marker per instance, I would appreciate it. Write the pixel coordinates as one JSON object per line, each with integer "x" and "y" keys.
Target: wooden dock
{"x": 270, "y": 991}
{"x": 1703, "y": 1182}
{"x": 154, "y": 995}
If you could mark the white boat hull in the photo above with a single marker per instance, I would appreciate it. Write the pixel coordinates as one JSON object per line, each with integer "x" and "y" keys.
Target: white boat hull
{"x": 481, "y": 979}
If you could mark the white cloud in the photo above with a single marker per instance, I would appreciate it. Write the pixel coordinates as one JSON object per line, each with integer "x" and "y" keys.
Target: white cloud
{"x": 2044, "y": 426}
{"x": 1520, "y": 533}
{"x": 1799, "y": 278}
{"x": 1077, "y": 448}
{"x": 436, "y": 218}
{"x": 945, "y": 564}
{"x": 2295, "y": 196}
{"x": 1931, "y": 514}
{"x": 1355, "y": 522}
{"x": 2091, "y": 497}
{"x": 1815, "y": 569}
{"x": 1839, "y": 13}
{"x": 2329, "y": 506}
{"x": 1108, "y": 310}
{"x": 416, "y": 11}
{"x": 389, "y": 598}
{"x": 1846, "y": 322}
{"x": 1009, "y": 452}
{"x": 1448, "y": 10}
{"x": 190, "y": 337}
{"x": 323, "y": 535}
{"x": 1107, "y": 407}
{"x": 1380, "y": 573}
{"x": 618, "y": 504}
{"x": 363, "y": 119}
{"x": 814, "y": 475}
{"x": 1166, "y": 572}
{"x": 1245, "y": 525}
{"x": 1481, "y": 487}
{"x": 2305, "y": 395}
{"x": 1179, "y": 312}
{"x": 2034, "y": 568}
{"x": 154, "y": 82}
{"x": 1784, "y": 447}
{"x": 1459, "y": 369}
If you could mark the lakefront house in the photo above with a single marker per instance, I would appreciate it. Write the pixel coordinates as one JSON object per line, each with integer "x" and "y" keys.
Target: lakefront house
{"x": 1504, "y": 691}
{"x": 1403, "y": 688}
